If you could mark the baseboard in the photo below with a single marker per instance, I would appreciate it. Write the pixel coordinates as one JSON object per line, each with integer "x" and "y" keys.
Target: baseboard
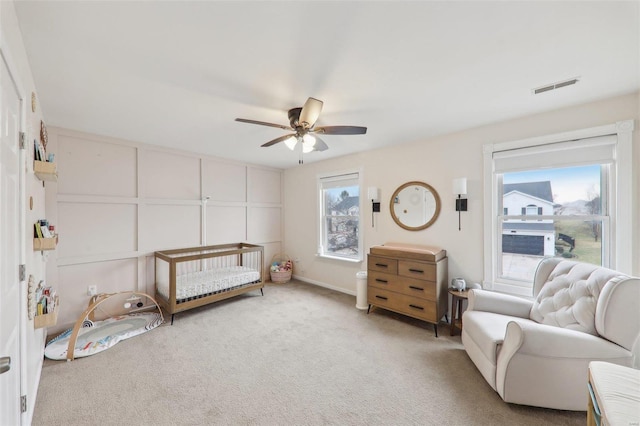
{"x": 325, "y": 285}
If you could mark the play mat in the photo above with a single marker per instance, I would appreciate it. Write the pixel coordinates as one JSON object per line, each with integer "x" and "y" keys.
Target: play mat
{"x": 89, "y": 337}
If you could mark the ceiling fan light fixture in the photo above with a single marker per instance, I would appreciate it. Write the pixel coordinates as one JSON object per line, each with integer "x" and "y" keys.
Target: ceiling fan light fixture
{"x": 306, "y": 148}
{"x": 291, "y": 142}
{"x": 308, "y": 139}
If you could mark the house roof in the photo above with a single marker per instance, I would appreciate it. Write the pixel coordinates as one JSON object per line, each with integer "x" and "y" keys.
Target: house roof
{"x": 177, "y": 73}
{"x": 540, "y": 190}
{"x": 347, "y": 203}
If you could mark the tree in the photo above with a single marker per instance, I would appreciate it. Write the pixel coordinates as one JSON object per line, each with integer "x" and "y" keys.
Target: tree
{"x": 594, "y": 207}
{"x": 344, "y": 194}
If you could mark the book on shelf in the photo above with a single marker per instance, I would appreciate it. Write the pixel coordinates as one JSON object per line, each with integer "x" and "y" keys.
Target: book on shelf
{"x": 45, "y": 231}
{"x": 38, "y": 230}
{"x": 46, "y": 297}
{"x": 39, "y": 151}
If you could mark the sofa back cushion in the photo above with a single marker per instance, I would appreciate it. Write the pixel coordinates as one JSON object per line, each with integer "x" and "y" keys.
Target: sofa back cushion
{"x": 569, "y": 295}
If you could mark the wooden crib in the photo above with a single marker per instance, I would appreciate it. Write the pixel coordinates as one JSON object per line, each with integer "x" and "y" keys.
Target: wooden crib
{"x": 191, "y": 277}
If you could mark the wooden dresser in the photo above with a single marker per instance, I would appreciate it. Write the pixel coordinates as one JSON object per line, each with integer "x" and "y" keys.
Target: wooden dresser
{"x": 409, "y": 279}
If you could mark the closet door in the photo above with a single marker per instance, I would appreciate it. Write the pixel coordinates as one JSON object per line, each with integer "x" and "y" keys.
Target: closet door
{"x": 9, "y": 250}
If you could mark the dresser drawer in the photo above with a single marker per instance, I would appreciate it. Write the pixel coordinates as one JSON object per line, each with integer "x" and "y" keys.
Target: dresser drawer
{"x": 382, "y": 264}
{"x": 418, "y": 288}
{"x": 408, "y": 286}
{"x": 418, "y": 270}
{"x": 383, "y": 280}
{"x": 417, "y": 308}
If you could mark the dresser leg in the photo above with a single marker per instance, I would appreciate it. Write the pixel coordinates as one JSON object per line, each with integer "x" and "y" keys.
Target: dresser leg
{"x": 368, "y": 309}
{"x": 435, "y": 327}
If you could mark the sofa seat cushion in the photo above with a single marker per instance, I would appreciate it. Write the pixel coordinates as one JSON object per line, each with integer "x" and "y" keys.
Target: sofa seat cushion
{"x": 568, "y": 298}
{"x": 487, "y": 330}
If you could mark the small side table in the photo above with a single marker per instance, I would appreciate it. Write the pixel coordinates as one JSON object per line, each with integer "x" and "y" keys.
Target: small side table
{"x": 457, "y": 299}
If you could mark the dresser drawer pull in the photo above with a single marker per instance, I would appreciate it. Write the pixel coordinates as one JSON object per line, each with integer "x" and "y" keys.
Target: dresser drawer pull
{"x": 381, "y": 297}
{"x": 378, "y": 280}
{"x": 416, "y": 288}
{"x": 417, "y": 307}
{"x": 382, "y": 265}
{"x": 417, "y": 271}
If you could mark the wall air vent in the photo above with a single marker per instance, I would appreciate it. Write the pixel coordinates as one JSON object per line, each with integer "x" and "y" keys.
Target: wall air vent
{"x": 555, "y": 86}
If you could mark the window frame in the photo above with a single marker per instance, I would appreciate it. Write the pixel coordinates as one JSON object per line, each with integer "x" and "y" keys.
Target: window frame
{"x": 619, "y": 250}
{"x": 348, "y": 175}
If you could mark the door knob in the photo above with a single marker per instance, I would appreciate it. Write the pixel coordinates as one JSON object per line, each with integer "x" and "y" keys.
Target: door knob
{"x": 5, "y": 364}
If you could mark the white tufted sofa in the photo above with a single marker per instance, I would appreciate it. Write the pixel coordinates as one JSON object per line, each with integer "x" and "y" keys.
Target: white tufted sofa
{"x": 537, "y": 352}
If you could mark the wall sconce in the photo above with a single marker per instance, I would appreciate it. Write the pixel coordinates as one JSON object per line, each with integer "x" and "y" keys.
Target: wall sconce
{"x": 460, "y": 189}
{"x": 373, "y": 194}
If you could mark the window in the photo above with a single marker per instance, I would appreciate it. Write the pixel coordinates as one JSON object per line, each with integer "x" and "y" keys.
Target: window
{"x": 568, "y": 222}
{"x": 340, "y": 235}
{"x": 574, "y": 189}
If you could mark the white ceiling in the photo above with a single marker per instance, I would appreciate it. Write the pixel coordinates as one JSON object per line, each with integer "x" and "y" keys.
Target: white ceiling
{"x": 177, "y": 73}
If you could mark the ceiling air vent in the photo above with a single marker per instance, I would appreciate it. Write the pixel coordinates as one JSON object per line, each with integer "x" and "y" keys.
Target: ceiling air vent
{"x": 555, "y": 86}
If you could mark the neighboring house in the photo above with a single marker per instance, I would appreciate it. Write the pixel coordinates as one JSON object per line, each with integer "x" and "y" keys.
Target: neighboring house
{"x": 532, "y": 237}
{"x": 349, "y": 206}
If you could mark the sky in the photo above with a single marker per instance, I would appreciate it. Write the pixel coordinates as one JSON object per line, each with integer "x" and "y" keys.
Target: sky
{"x": 567, "y": 184}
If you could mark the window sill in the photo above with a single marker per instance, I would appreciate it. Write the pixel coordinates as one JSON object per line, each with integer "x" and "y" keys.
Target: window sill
{"x": 344, "y": 259}
{"x": 514, "y": 288}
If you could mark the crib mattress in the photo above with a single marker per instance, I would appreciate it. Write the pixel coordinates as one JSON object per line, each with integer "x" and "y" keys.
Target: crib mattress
{"x": 197, "y": 284}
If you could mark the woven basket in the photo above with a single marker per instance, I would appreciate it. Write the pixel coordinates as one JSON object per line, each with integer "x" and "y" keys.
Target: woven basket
{"x": 280, "y": 277}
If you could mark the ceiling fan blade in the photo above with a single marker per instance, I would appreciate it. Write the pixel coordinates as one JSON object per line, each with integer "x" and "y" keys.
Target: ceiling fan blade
{"x": 277, "y": 140}
{"x": 341, "y": 130}
{"x": 310, "y": 113}
{"x": 263, "y": 123}
{"x": 319, "y": 145}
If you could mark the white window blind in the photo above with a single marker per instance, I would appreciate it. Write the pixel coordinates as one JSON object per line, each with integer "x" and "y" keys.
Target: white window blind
{"x": 339, "y": 181}
{"x": 596, "y": 150}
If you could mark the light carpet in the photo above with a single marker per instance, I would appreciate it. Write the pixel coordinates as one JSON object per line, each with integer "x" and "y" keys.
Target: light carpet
{"x": 299, "y": 355}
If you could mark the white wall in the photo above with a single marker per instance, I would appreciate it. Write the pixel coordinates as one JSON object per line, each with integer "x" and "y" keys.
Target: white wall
{"x": 436, "y": 161}
{"x": 116, "y": 202}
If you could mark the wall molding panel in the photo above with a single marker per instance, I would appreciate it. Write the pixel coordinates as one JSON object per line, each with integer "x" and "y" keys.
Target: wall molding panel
{"x": 116, "y": 202}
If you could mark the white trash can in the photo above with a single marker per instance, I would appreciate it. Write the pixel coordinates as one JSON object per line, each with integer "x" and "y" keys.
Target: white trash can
{"x": 361, "y": 290}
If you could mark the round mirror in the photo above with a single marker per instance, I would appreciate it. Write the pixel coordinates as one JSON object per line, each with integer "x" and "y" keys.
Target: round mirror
{"x": 415, "y": 206}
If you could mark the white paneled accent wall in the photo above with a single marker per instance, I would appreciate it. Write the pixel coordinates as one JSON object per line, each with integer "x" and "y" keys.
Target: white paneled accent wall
{"x": 106, "y": 169}
{"x": 84, "y": 235}
{"x": 117, "y": 202}
{"x": 169, "y": 226}
{"x": 261, "y": 186}
{"x": 224, "y": 182}
{"x": 226, "y": 223}
{"x": 168, "y": 175}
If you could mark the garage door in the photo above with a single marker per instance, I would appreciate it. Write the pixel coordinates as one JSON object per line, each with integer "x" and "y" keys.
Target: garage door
{"x": 523, "y": 244}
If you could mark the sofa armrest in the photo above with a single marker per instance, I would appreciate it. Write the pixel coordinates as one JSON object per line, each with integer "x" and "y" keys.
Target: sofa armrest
{"x": 532, "y": 338}
{"x": 499, "y": 303}
{"x": 546, "y": 366}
